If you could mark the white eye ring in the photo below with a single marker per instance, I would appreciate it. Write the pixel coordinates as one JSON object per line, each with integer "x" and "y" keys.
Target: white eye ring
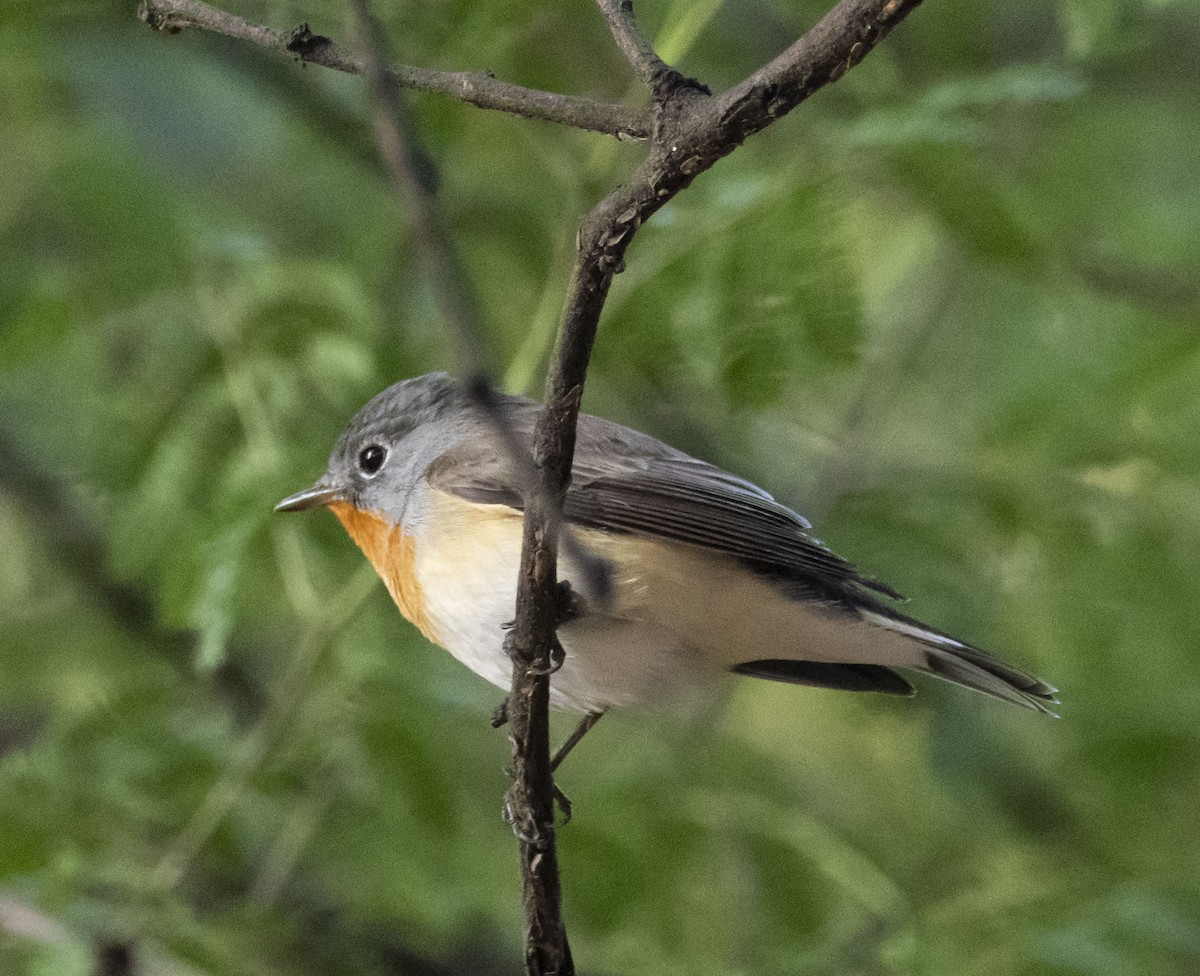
{"x": 371, "y": 459}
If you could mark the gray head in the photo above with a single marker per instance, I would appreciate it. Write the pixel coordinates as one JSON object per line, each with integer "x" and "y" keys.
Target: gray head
{"x": 387, "y": 447}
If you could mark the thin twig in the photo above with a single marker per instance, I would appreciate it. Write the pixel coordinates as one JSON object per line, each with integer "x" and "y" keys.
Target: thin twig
{"x": 638, "y": 51}
{"x": 414, "y": 181}
{"x": 531, "y": 798}
{"x": 476, "y": 88}
{"x": 694, "y": 132}
{"x": 693, "y": 135}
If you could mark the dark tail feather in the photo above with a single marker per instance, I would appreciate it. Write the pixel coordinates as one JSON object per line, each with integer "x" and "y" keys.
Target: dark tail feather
{"x": 820, "y": 674}
{"x": 971, "y": 667}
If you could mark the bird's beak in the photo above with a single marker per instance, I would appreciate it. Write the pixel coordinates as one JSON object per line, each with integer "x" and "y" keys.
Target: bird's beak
{"x": 318, "y": 496}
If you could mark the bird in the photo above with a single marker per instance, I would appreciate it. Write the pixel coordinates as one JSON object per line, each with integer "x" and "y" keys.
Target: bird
{"x": 706, "y": 574}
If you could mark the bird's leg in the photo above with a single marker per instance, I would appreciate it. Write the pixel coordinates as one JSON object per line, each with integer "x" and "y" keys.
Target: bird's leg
{"x": 567, "y": 606}
{"x": 500, "y": 714}
{"x": 557, "y": 657}
{"x": 560, "y": 798}
{"x": 582, "y": 729}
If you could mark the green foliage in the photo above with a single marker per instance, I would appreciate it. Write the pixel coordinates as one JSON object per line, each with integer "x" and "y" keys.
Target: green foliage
{"x": 949, "y": 309}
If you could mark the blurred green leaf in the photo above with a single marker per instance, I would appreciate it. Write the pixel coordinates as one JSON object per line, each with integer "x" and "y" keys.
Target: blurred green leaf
{"x": 947, "y": 308}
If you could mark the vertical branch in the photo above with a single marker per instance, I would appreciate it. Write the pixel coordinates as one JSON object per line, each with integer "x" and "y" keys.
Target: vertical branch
{"x": 531, "y": 798}
{"x": 692, "y": 132}
{"x": 602, "y": 242}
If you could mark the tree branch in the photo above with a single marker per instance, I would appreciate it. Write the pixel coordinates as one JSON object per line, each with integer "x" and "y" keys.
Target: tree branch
{"x": 476, "y": 88}
{"x": 836, "y": 43}
{"x": 638, "y": 51}
{"x": 692, "y": 132}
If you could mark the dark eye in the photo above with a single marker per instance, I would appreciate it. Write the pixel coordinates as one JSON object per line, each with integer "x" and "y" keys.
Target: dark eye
{"x": 371, "y": 458}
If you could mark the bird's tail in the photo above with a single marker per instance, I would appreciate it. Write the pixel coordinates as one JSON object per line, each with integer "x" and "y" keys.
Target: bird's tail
{"x": 961, "y": 664}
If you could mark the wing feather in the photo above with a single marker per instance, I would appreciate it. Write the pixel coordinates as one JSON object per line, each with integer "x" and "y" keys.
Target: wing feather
{"x": 626, "y": 481}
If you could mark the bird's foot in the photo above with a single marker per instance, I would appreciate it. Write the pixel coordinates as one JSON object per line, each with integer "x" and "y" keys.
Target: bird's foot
{"x": 568, "y": 605}
{"x": 563, "y": 802}
{"x": 558, "y": 657}
{"x": 524, "y": 828}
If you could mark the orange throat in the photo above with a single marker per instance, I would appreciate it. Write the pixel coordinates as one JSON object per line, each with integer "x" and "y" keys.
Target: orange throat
{"x": 394, "y": 556}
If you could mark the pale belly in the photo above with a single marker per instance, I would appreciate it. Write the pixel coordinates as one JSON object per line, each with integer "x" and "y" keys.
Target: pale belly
{"x": 612, "y": 661}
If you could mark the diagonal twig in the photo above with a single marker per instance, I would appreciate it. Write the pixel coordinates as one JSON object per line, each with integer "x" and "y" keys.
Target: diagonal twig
{"x": 476, "y": 88}
{"x": 698, "y": 131}
{"x": 531, "y": 799}
{"x": 693, "y": 131}
{"x": 413, "y": 178}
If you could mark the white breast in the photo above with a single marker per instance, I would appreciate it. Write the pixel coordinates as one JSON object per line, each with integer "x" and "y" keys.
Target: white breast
{"x": 466, "y": 566}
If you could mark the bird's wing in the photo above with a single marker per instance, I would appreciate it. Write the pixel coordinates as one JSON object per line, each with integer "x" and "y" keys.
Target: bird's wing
{"x": 626, "y": 481}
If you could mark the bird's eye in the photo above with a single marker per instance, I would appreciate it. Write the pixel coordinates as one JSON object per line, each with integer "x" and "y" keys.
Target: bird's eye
{"x": 371, "y": 458}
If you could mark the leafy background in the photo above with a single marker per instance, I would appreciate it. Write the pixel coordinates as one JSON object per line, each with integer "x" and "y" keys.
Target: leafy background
{"x": 949, "y": 308}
